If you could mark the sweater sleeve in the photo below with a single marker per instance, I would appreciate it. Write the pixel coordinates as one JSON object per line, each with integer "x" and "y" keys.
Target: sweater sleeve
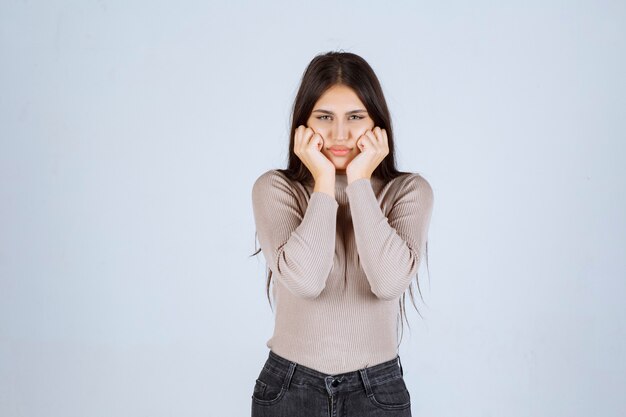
{"x": 390, "y": 249}
{"x": 298, "y": 247}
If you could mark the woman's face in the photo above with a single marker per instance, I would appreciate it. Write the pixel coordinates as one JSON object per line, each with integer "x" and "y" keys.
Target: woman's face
{"x": 340, "y": 118}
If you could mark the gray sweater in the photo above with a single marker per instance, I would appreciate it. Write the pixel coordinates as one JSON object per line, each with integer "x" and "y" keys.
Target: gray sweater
{"x": 339, "y": 265}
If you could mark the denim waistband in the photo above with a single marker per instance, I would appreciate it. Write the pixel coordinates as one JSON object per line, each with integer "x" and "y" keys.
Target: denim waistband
{"x": 292, "y": 372}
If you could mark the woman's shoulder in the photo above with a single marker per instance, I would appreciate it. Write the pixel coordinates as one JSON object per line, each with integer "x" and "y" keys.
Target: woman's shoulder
{"x": 412, "y": 182}
{"x": 273, "y": 174}
{"x": 272, "y": 179}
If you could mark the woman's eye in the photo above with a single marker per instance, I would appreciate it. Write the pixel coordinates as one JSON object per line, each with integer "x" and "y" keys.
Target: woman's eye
{"x": 356, "y": 117}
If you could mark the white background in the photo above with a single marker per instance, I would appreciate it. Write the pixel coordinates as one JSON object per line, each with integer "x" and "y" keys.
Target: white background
{"x": 131, "y": 133}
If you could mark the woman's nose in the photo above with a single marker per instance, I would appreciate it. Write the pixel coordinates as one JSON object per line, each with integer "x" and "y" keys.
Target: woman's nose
{"x": 340, "y": 131}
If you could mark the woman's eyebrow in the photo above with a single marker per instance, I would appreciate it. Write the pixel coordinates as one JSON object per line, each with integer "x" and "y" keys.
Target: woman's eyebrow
{"x": 330, "y": 112}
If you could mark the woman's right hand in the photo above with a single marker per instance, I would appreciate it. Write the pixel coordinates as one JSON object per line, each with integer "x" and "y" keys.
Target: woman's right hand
{"x": 307, "y": 146}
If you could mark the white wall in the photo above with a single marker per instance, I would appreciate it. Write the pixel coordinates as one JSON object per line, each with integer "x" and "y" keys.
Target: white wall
{"x": 131, "y": 134}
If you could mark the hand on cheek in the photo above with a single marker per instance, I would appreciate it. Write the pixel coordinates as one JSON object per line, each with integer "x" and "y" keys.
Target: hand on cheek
{"x": 308, "y": 145}
{"x": 374, "y": 148}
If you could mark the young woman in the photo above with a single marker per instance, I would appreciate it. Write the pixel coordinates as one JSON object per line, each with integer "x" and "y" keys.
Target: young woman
{"x": 343, "y": 233}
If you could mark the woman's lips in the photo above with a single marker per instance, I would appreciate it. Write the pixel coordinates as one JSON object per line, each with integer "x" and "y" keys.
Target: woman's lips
{"x": 338, "y": 152}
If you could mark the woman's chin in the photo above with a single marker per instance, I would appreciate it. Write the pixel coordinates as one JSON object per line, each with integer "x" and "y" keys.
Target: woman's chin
{"x": 341, "y": 162}
{"x": 340, "y": 166}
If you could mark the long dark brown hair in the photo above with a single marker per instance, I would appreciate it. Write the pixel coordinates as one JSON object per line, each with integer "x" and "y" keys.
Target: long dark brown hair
{"x": 325, "y": 71}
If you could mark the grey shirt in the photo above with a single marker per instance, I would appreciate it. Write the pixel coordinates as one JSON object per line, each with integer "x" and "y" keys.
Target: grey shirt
{"x": 339, "y": 265}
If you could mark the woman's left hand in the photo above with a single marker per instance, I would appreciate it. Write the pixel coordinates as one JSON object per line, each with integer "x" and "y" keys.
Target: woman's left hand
{"x": 374, "y": 148}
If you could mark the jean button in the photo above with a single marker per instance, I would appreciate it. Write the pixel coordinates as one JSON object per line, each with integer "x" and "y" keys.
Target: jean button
{"x": 335, "y": 383}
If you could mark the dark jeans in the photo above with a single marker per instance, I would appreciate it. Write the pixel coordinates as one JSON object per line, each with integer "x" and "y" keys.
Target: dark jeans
{"x": 287, "y": 389}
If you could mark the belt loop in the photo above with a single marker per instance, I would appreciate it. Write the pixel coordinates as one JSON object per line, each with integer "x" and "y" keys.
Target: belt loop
{"x": 289, "y": 375}
{"x": 400, "y": 363}
{"x": 366, "y": 381}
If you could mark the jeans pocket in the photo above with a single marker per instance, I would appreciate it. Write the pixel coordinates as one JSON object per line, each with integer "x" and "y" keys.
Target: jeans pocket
{"x": 259, "y": 389}
{"x": 391, "y": 394}
{"x": 268, "y": 388}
